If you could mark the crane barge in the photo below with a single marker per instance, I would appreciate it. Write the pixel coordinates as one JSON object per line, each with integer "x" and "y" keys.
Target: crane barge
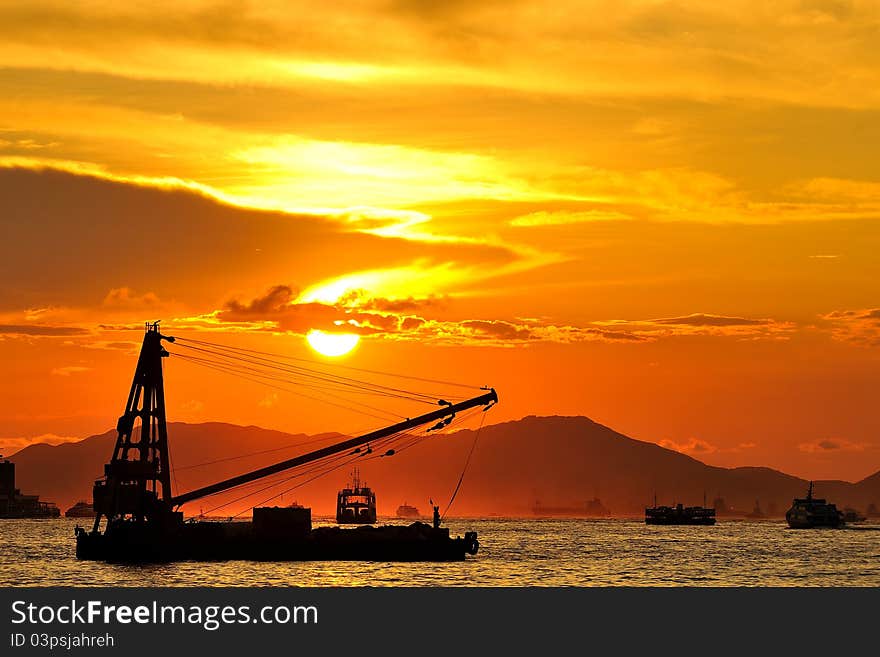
{"x": 143, "y": 521}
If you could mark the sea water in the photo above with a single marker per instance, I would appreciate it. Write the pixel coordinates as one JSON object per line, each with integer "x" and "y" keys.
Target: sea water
{"x": 513, "y": 552}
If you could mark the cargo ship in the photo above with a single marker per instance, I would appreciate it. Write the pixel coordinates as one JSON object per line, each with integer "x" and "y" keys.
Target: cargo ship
{"x": 811, "y": 512}
{"x": 407, "y": 511}
{"x": 679, "y": 515}
{"x": 81, "y": 509}
{"x": 139, "y": 519}
{"x": 356, "y": 503}
{"x": 15, "y": 505}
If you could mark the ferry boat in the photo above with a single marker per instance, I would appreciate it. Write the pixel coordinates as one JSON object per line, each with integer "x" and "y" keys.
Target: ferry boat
{"x": 679, "y": 515}
{"x": 810, "y": 512}
{"x": 407, "y": 511}
{"x": 356, "y": 504}
{"x": 81, "y": 509}
{"x": 15, "y": 505}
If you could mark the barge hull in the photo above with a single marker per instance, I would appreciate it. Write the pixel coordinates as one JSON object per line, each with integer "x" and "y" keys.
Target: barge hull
{"x": 228, "y": 541}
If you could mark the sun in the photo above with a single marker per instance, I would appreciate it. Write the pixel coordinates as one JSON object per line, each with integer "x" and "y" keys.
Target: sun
{"x": 332, "y": 344}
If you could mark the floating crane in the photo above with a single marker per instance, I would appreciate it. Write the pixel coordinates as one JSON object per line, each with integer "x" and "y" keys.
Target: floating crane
{"x": 144, "y": 523}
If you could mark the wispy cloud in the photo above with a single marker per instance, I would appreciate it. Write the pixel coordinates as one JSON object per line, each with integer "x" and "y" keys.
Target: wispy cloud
{"x": 10, "y": 445}
{"x": 41, "y": 330}
{"x": 706, "y": 324}
{"x": 860, "y": 327}
{"x": 67, "y": 370}
{"x": 831, "y": 445}
{"x": 280, "y": 309}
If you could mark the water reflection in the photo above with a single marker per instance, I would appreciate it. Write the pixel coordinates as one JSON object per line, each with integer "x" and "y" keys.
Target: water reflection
{"x": 513, "y": 552}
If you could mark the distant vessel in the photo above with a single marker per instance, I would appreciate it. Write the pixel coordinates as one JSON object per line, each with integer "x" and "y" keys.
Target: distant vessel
{"x": 810, "y": 512}
{"x": 356, "y": 505}
{"x": 679, "y": 515}
{"x": 721, "y": 507}
{"x": 591, "y": 508}
{"x": 853, "y": 515}
{"x": 407, "y": 511}
{"x": 81, "y": 509}
{"x": 756, "y": 512}
{"x": 595, "y": 508}
{"x": 15, "y": 505}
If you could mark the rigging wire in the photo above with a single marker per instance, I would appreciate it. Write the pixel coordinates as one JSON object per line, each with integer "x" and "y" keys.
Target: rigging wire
{"x": 338, "y": 365}
{"x": 276, "y": 387}
{"x": 283, "y": 479}
{"x": 257, "y": 367}
{"x": 464, "y": 469}
{"x": 264, "y": 451}
{"x": 300, "y": 484}
{"x": 317, "y": 465}
{"x": 320, "y": 376}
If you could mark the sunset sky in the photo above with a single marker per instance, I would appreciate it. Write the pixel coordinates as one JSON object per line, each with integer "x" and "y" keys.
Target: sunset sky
{"x": 661, "y": 215}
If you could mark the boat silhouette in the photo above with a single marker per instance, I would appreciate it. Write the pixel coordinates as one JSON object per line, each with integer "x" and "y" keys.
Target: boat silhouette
{"x": 407, "y": 511}
{"x": 356, "y": 504}
{"x": 81, "y": 509}
{"x": 810, "y": 512}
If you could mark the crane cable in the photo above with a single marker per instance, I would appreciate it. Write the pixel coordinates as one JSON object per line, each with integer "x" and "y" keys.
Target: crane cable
{"x": 464, "y": 469}
{"x": 326, "y": 377}
{"x": 337, "y": 365}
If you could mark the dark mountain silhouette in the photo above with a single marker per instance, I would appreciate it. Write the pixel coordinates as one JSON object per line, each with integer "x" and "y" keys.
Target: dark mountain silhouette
{"x": 561, "y": 461}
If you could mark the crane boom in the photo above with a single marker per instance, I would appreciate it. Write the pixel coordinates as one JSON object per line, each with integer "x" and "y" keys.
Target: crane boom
{"x": 447, "y": 410}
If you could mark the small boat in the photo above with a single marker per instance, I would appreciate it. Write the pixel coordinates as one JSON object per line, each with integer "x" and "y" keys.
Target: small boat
{"x": 679, "y": 515}
{"x": 810, "y": 512}
{"x": 356, "y": 504}
{"x": 407, "y": 511}
{"x": 81, "y": 509}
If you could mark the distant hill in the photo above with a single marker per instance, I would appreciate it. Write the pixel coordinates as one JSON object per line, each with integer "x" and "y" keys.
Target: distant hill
{"x": 560, "y": 461}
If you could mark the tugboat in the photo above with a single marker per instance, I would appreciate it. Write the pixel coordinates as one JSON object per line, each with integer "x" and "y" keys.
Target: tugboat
{"x": 407, "y": 511}
{"x": 139, "y": 519}
{"x": 15, "y": 505}
{"x": 679, "y": 515}
{"x": 356, "y": 505}
{"x": 810, "y": 512}
{"x": 81, "y": 509}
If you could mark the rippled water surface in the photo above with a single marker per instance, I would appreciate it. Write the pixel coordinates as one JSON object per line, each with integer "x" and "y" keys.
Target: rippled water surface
{"x": 513, "y": 552}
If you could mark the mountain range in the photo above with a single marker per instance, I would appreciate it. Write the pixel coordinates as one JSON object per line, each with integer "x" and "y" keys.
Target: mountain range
{"x": 553, "y": 461}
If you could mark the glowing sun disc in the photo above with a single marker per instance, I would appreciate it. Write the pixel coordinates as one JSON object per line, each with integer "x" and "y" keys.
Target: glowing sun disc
{"x": 332, "y": 344}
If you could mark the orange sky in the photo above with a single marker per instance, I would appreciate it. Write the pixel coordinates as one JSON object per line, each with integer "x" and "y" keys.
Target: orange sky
{"x": 661, "y": 215}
